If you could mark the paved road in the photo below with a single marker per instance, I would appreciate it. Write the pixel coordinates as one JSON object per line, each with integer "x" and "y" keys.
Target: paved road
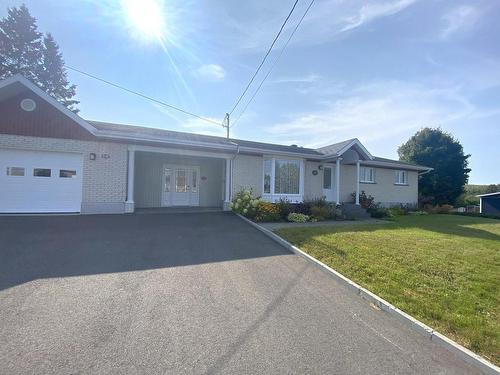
{"x": 185, "y": 293}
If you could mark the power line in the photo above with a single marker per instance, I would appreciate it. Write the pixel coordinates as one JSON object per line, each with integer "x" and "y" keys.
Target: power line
{"x": 265, "y": 57}
{"x": 275, "y": 62}
{"x": 144, "y": 96}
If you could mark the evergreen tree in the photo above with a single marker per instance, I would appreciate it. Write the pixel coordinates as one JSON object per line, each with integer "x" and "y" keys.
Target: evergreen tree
{"x": 52, "y": 76}
{"x": 441, "y": 151}
{"x": 24, "y": 50}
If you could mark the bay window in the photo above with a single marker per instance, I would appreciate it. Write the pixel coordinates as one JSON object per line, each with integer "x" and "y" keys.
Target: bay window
{"x": 283, "y": 178}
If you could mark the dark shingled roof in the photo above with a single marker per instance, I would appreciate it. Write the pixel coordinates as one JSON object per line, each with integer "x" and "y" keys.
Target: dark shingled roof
{"x": 169, "y": 135}
{"x": 190, "y": 137}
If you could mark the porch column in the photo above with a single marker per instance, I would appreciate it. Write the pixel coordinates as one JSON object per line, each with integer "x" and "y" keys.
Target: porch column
{"x": 227, "y": 193}
{"x": 337, "y": 180}
{"x": 357, "y": 182}
{"x": 129, "y": 203}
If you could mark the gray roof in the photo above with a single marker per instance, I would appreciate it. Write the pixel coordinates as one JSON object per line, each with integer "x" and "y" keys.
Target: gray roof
{"x": 488, "y": 194}
{"x": 334, "y": 148}
{"x": 169, "y": 135}
{"x": 182, "y": 136}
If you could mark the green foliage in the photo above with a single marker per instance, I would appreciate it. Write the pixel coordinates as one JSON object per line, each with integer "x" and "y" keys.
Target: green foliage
{"x": 378, "y": 212}
{"x": 244, "y": 203}
{"x": 24, "y": 50}
{"x": 267, "y": 211}
{"x": 321, "y": 213}
{"x": 441, "y": 151}
{"x": 441, "y": 269}
{"x": 365, "y": 201}
{"x": 439, "y": 209}
{"x": 297, "y": 218}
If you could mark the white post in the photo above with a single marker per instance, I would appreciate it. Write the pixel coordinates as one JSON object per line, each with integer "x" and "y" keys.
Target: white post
{"x": 337, "y": 180}
{"x": 357, "y": 183}
{"x": 129, "y": 204}
{"x": 227, "y": 194}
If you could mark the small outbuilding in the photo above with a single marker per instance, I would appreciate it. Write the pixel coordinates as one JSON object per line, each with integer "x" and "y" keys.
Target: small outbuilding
{"x": 489, "y": 203}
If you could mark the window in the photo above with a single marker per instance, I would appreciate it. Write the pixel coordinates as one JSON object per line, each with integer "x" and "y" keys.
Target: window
{"x": 181, "y": 181}
{"x": 66, "y": 173}
{"x": 282, "y": 176}
{"x": 15, "y": 171}
{"x": 401, "y": 178}
{"x": 194, "y": 185}
{"x": 286, "y": 176}
{"x": 41, "y": 172}
{"x": 327, "y": 178}
{"x": 268, "y": 166}
{"x": 366, "y": 174}
{"x": 168, "y": 173}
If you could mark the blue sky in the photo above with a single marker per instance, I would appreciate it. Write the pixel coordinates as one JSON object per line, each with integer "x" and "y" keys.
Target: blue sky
{"x": 375, "y": 70}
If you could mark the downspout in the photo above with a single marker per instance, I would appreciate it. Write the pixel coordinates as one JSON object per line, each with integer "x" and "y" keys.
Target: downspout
{"x": 231, "y": 172}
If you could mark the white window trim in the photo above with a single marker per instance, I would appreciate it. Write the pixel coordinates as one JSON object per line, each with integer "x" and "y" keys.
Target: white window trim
{"x": 396, "y": 177}
{"x": 275, "y": 197}
{"x": 363, "y": 181}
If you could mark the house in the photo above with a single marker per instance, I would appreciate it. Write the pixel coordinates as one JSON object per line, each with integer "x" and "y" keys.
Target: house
{"x": 52, "y": 160}
{"x": 489, "y": 203}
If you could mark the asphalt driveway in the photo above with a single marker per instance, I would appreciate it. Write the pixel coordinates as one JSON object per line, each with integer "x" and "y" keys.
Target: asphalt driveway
{"x": 185, "y": 293}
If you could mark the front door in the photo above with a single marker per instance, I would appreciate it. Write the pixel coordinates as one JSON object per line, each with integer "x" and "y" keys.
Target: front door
{"x": 329, "y": 183}
{"x": 181, "y": 186}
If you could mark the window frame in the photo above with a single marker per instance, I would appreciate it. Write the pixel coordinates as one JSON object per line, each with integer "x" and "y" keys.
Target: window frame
{"x": 8, "y": 172}
{"x": 397, "y": 180}
{"x": 272, "y": 195}
{"x": 363, "y": 180}
{"x": 42, "y": 168}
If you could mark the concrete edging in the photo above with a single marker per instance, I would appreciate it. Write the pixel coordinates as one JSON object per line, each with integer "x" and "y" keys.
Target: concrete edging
{"x": 470, "y": 357}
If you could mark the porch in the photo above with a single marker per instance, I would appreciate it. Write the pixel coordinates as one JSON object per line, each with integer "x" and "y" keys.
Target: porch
{"x": 173, "y": 180}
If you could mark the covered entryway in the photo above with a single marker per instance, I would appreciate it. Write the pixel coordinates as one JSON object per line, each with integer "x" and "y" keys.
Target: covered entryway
{"x": 40, "y": 181}
{"x": 178, "y": 178}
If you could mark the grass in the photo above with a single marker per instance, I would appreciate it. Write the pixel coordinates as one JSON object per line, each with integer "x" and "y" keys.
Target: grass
{"x": 442, "y": 269}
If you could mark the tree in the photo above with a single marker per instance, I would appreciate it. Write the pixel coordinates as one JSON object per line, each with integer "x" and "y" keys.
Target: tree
{"x": 441, "y": 151}
{"x": 24, "y": 50}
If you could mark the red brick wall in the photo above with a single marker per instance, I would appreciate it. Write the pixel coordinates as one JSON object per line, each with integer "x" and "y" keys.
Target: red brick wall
{"x": 44, "y": 121}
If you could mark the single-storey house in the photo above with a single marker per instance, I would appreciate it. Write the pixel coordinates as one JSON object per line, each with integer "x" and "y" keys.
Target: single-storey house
{"x": 52, "y": 160}
{"x": 489, "y": 203}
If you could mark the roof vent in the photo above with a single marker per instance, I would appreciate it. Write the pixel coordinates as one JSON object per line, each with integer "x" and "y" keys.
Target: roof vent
{"x": 294, "y": 146}
{"x": 28, "y": 105}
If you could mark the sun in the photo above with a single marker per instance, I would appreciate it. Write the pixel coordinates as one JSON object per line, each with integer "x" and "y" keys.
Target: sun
{"x": 145, "y": 18}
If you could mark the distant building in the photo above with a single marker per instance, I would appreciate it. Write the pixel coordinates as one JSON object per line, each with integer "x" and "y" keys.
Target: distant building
{"x": 489, "y": 203}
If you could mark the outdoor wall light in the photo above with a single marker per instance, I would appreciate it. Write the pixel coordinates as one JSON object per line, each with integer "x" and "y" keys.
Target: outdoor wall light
{"x": 92, "y": 156}
{"x": 320, "y": 167}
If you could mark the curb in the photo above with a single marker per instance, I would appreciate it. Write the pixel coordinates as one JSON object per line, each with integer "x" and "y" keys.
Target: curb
{"x": 470, "y": 357}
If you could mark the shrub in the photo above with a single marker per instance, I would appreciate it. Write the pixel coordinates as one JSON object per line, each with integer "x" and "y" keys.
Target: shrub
{"x": 323, "y": 212}
{"x": 418, "y": 213}
{"x": 379, "y": 212}
{"x": 365, "y": 201}
{"x": 285, "y": 208}
{"x": 266, "y": 211}
{"x": 244, "y": 203}
{"x": 295, "y": 217}
{"x": 397, "y": 211}
{"x": 444, "y": 209}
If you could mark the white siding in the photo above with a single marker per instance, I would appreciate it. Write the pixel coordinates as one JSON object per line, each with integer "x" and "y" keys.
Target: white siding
{"x": 149, "y": 175}
{"x": 247, "y": 173}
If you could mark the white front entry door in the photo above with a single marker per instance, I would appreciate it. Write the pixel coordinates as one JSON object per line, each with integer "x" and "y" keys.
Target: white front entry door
{"x": 181, "y": 185}
{"x": 329, "y": 183}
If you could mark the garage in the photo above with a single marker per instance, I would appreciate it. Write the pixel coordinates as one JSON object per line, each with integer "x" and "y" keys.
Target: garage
{"x": 40, "y": 181}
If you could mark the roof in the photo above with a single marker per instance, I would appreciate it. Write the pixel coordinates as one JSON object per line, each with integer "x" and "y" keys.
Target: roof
{"x": 488, "y": 195}
{"x": 169, "y": 135}
{"x": 335, "y": 148}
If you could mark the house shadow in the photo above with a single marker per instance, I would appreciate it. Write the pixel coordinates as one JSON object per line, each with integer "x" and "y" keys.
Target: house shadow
{"x": 37, "y": 247}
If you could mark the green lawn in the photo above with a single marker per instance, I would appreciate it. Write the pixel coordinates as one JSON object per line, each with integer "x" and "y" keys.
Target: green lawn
{"x": 442, "y": 269}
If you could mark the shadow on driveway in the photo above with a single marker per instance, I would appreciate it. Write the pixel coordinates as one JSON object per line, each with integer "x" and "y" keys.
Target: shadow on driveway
{"x": 60, "y": 246}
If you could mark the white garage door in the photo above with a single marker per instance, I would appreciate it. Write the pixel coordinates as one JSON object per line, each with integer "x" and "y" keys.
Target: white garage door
{"x": 34, "y": 181}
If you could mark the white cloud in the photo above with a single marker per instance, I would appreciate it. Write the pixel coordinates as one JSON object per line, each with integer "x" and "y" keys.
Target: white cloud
{"x": 371, "y": 11}
{"x": 374, "y": 112}
{"x": 210, "y": 72}
{"x": 460, "y": 19}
